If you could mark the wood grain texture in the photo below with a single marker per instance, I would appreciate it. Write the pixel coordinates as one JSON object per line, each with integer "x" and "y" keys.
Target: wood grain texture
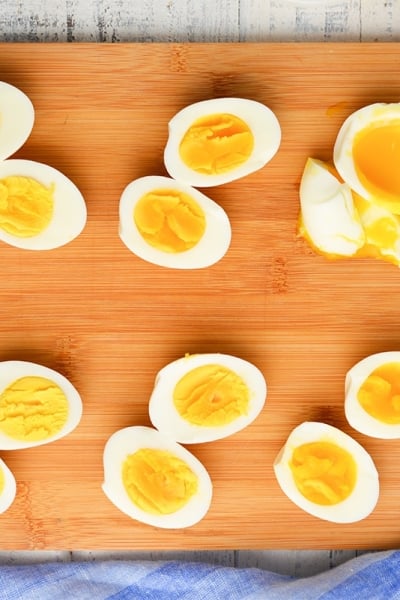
{"x": 109, "y": 321}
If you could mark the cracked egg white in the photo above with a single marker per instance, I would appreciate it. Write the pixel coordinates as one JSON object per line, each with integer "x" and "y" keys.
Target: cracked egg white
{"x": 37, "y": 405}
{"x": 17, "y": 117}
{"x": 151, "y": 478}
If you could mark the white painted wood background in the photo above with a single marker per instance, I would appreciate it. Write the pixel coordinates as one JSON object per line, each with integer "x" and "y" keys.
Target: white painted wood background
{"x": 201, "y": 21}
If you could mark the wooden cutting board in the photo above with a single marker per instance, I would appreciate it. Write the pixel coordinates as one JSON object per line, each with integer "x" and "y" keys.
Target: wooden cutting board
{"x": 109, "y": 321}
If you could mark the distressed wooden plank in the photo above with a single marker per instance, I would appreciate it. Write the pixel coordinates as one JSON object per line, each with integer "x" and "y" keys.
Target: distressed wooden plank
{"x": 224, "y": 558}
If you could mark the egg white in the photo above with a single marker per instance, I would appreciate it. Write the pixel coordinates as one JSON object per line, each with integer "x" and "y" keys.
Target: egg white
{"x": 17, "y": 116}
{"x": 378, "y": 113}
{"x": 357, "y": 417}
{"x": 328, "y": 216}
{"x": 210, "y": 248}
{"x": 7, "y": 495}
{"x": 10, "y": 371}
{"x": 131, "y": 439}
{"x": 165, "y": 417}
{"x": 359, "y": 504}
{"x": 260, "y": 119}
{"x": 69, "y": 218}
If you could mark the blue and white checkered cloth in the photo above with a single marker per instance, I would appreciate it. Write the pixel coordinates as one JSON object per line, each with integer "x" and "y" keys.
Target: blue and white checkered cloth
{"x": 374, "y": 576}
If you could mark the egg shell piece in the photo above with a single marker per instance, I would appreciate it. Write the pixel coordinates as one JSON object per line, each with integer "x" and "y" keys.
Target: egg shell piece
{"x": 12, "y": 370}
{"x": 17, "y": 116}
{"x": 165, "y": 417}
{"x": 376, "y": 113}
{"x": 356, "y": 416}
{"x": 359, "y": 504}
{"x": 7, "y": 495}
{"x": 210, "y": 248}
{"x": 260, "y": 119}
{"x": 69, "y": 218}
{"x": 328, "y": 215}
{"x": 128, "y": 441}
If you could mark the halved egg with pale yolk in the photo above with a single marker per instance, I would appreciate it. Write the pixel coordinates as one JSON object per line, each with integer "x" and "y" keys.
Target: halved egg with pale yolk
{"x": 372, "y": 395}
{"x": 327, "y": 473}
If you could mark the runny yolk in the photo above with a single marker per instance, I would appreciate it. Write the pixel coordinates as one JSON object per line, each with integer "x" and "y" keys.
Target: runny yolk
{"x": 323, "y": 472}
{"x": 379, "y": 395}
{"x": 216, "y": 144}
{"x": 32, "y": 409}
{"x": 211, "y": 396}
{"x": 169, "y": 220}
{"x": 26, "y": 206}
{"x": 376, "y": 155}
{"x": 157, "y": 481}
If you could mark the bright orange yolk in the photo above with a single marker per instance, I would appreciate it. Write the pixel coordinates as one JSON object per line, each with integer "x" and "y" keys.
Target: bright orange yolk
{"x": 211, "y": 395}
{"x": 157, "y": 481}
{"x": 26, "y": 206}
{"x": 169, "y": 220}
{"x": 216, "y": 144}
{"x": 379, "y": 395}
{"x": 323, "y": 472}
{"x": 376, "y": 155}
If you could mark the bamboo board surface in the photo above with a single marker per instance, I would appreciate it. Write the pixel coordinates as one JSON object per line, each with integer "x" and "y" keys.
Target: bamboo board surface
{"x": 109, "y": 321}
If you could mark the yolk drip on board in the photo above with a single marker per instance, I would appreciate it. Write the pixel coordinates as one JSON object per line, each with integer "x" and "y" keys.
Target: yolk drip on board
{"x": 211, "y": 395}
{"x": 32, "y": 409}
{"x": 169, "y": 220}
{"x": 379, "y": 394}
{"x": 26, "y": 206}
{"x": 323, "y": 472}
{"x": 216, "y": 144}
{"x": 157, "y": 481}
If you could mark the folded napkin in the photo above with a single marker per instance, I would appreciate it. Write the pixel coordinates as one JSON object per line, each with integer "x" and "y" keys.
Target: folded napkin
{"x": 374, "y": 576}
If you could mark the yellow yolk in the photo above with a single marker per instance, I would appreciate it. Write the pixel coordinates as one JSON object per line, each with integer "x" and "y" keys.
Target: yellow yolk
{"x": 157, "y": 481}
{"x": 379, "y": 395}
{"x": 169, "y": 220}
{"x": 211, "y": 395}
{"x": 32, "y": 409}
{"x": 323, "y": 472}
{"x": 376, "y": 155}
{"x": 216, "y": 144}
{"x": 2, "y": 481}
{"x": 26, "y": 206}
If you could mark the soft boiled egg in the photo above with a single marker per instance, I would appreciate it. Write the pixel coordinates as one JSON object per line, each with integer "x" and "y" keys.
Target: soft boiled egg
{"x": 152, "y": 479}
{"x": 40, "y": 208}
{"x": 367, "y": 154}
{"x": 328, "y": 218}
{"x": 37, "y": 405}
{"x": 327, "y": 473}
{"x": 17, "y": 117}
{"x": 372, "y": 395}
{"x": 8, "y": 487}
{"x": 172, "y": 225}
{"x": 219, "y": 140}
{"x": 205, "y": 397}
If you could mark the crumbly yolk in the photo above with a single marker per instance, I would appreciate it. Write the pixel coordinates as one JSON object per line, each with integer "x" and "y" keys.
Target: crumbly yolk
{"x": 32, "y": 409}
{"x": 376, "y": 155}
{"x": 157, "y": 481}
{"x": 323, "y": 472}
{"x": 211, "y": 396}
{"x": 216, "y": 144}
{"x": 26, "y": 206}
{"x": 169, "y": 220}
{"x": 379, "y": 395}
{"x": 2, "y": 481}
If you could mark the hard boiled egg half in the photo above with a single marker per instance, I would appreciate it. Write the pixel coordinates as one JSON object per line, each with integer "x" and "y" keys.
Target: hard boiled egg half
{"x": 327, "y": 473}
{"x": 367, "y": 154}
{"x": 372, "y": 395}
{"x": 152, "y": 479}
{"x": 8, "y": 487}
{"x": 205, "y": 397}
{"x": 40, "y": 208}
{"x": 219, "y": 140}
{"x": 171, "y": 224}
{"x": 37, "y": 405}
{"x": 17, "y": 117}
